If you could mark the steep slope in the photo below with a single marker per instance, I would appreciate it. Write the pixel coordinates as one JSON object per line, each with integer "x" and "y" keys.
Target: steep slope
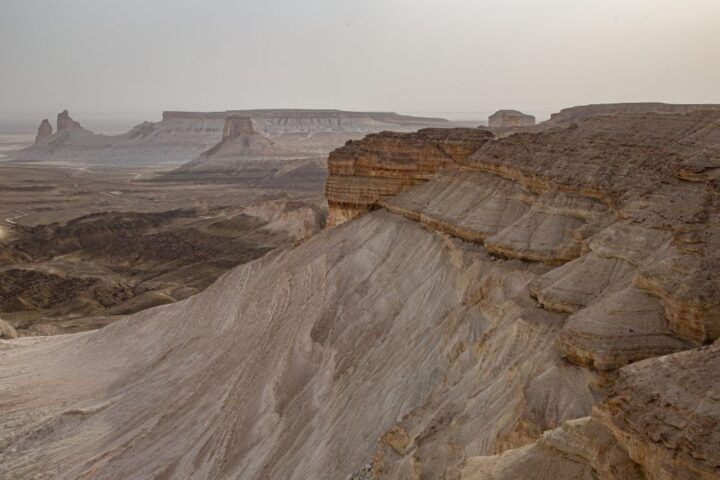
{"x": 476, "y": 325}
{"x": 81, "y": 274}
{"x": 363, "y": 172}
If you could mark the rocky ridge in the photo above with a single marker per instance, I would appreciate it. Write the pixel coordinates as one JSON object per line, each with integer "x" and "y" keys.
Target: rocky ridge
{"x": 534, "y": 309}
{"x": 181, "y": 136}
{"x": 363, "y": 172}
{"x": 632, "y": 238}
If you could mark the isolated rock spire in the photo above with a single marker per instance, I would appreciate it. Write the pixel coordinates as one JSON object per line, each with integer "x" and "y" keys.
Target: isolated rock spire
{"x": 44, "y": 130}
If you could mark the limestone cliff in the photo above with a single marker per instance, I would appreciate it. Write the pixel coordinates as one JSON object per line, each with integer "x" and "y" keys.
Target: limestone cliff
{"x": 528, "y": 307}
{"x": 363, "y": 172}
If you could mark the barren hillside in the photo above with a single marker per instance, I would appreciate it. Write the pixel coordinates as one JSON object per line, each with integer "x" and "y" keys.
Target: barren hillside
{"x": 543, "y": 305}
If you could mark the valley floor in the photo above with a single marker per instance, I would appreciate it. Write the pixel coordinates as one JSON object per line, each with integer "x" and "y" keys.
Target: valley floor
{"x": 82, "y": 245}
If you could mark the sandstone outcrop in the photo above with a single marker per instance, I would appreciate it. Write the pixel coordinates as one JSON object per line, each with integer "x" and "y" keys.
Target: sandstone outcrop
{"x": 44, "y": 131}
{"x": 531, "y": 310}
{"x": 508, "y": 119}
{"x": 64, "y": 122}
{"x": 363, "y": 172}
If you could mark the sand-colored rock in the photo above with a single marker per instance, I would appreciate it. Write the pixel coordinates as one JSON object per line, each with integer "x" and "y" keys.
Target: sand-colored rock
{"x": 571, "y": 115}
{"x": 44, "y": 131}
{"x": 578, "y": 449}
{"x": 505, "y": 122}
{"x": 7, "y": 330}
{"x": 428, "y": 338}
{"x": 362, "y": 173}
{"x": 181, "y": 136}
{"x": 666, "y": 414}
{"x": 65, "y": 122}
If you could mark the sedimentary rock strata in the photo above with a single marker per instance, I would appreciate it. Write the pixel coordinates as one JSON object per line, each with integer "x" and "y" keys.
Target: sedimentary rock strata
{"x": 362, "y": 173}
{"x": 79, "y": 275}
{"x": 534, "y": 309}
{"x": 567, "y": 116}
{"x": 181, "y": 136}
{"x": 504, "y": 122}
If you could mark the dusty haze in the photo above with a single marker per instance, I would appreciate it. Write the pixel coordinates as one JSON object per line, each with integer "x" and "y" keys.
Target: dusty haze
{"x": 401, "y": 55}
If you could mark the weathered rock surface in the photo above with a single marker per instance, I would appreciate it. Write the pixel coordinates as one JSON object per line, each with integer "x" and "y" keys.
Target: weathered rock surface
{"x": 63, "y": 276}
{"x": 362, "y": 173}
{"x": 181, "y": 136}
{"x": 245, "y": 152}
{"x": 44, "y": 130}
{"x": 7, "y": 330}
{"x": 64, "y": 122}
{"x": 666, "y": 414}
{"x": 571, "y": 115}
{"x": 510, "y": 313}
{"x": 504, "y": 122}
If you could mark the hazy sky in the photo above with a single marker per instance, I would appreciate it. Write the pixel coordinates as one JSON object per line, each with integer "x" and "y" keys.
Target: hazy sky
{"x": 402, "y": 55}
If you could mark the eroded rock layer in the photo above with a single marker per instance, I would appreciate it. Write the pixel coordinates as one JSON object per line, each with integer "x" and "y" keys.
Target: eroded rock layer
{"x": 363, "y": 172}
{"x": 532, "y": 310}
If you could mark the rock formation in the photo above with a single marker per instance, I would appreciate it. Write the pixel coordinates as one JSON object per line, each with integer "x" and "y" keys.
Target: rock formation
{"x": 237, "y": 126}
{"x": 181, "y": 136}
{"x": 570, "y": 115}
{"x": 44, "y": 131}
{"x": 7, "y": 330}
{"x": 363, "y": 172}
{"x": 64, "y": 122}
{"x": 533, "y": 310}
{"x": 503, "y": 119}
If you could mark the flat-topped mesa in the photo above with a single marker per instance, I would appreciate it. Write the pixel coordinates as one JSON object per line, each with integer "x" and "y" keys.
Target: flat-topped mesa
{"x": 64, "y": 122}
{"x": 237, "y": 125}
{"x": 364, "y": 172}
{"x": 44, "y": 130}
{"x": 510, "y": 119}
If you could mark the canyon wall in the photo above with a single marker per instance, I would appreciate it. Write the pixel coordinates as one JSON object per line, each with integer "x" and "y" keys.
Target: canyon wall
{"x": 363, "y": 172}
{"x": 545, "y": 307}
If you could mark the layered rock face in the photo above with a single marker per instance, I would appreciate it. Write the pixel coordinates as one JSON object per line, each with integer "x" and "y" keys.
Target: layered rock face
{"x": 362, "y": 173}
{"x": 510, "y": 119}
{"x": 237, "y": 126}
{"x": 44, "y": 130}
{"x": 251, "y": 157}
{"x": 533, "y": 310}
{"x": 181, "y": 136}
